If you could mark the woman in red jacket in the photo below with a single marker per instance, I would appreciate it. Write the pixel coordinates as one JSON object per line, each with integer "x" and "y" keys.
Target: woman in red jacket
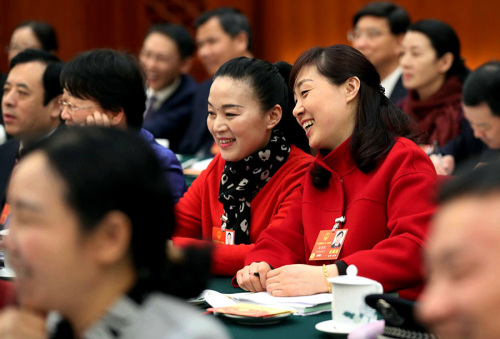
{"x": 250, "y": 184}
{"x": 368, "y": 180}
{"x": 433, "y": 72}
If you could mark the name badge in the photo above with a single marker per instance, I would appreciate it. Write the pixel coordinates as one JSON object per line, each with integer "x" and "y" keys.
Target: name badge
{"x": 223, "y": 236}
{"x": 328, "y": 244}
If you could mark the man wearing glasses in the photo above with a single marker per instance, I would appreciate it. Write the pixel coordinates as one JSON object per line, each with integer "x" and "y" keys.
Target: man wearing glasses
{"x": 30, "y": 107}
{"x": 378, "y": 30}
{"x": 106, "y": 88}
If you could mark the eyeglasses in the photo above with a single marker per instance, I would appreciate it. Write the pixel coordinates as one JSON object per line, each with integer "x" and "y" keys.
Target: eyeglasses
{"x": 370, "y": 34}
{"x": 71, "y": 108}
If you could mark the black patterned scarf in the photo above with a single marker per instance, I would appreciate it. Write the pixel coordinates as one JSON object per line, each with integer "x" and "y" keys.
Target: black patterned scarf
{"x": 242, "y": 180}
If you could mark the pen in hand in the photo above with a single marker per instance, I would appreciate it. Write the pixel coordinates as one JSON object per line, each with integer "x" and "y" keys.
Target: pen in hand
{"x": 256, "y": 274}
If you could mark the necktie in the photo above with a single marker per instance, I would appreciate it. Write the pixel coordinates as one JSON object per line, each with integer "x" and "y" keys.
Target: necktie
{"x": 150, "y": 109}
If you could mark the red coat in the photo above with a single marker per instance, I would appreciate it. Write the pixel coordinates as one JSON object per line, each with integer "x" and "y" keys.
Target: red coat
{"x": 387, "y": 214}
{"x": 199, "y": 210}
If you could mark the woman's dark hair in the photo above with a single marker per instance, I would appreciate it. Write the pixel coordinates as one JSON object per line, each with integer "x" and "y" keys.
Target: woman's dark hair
{"x": 108, "y": 169}
{"x": 377, "y": 121}
{"x": 115, "y": 79}
{"x": 269, "y": 84}
{"x": 44, "y": 32}
{"x": 444, "y": 40}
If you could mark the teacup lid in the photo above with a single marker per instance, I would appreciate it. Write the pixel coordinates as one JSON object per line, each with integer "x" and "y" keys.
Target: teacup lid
{"x": 351, "y": 278}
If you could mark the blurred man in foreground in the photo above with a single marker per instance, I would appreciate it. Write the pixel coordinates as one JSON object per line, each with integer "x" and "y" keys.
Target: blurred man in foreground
{"x": 462, "y": 296}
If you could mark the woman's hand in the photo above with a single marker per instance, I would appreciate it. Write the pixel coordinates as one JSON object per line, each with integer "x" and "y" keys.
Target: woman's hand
{"x": 444, "y": 165}
{"x": 249, "y": 281}
{"x": 16, "y": 323}
{"x": 295, "y": 280}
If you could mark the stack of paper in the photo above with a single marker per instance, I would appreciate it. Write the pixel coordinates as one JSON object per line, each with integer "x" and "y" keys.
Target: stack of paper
{"x": 305, "y": 305}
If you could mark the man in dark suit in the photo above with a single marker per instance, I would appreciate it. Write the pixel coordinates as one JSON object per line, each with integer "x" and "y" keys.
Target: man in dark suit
{"x": 479, "y": 139}
{"x": 378, "y": 31}
{"x": 221, "y": 35}
{"x": 30, "y": 107}
{"x": 166, "y": 57}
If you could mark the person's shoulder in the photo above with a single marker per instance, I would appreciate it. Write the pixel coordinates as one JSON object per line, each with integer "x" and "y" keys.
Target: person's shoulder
{"x": 409, "y": 157}
{"x": 9, "y": 149}
{"x": 167, "y": 314}
{"x": 204, "y": 86}
{"x": 10, "y": 144}
{"x": 188, "y": 80}
{"x": 299, "y": 155}
{"x": 160, "y": 151}
{"x": 298, "y": 159}
{"x": 188, "y": 84}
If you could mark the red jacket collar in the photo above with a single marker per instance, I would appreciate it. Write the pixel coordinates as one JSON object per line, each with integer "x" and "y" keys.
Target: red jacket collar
{"x": 339, "y": 160}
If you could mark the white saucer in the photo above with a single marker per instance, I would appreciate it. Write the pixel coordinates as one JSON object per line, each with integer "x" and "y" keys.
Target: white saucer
{"x": 329, "y": 326}
{"x": 244, "y": 320}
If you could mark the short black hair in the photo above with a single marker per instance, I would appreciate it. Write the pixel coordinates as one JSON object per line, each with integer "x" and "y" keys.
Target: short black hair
{"x": 231, "y": 20}
{"x": 398, "y": 18}
{"x": 472, "y": 180}
{"x": 50, "y": 77}
{"x": 109, "y": 169}
{"x": 483, "y": 86}
{"x": 115, "y": 79}
{"x": 178, "y": 34}
{"x": 45, "y": 33}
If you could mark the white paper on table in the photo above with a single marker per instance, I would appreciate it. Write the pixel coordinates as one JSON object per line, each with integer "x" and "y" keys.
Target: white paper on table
{"x": 201, "y": 165}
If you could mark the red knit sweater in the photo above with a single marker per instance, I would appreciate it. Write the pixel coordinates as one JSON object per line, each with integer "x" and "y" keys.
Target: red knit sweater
{"x": 387, "y": 214}
{"x": 199, "y": 210}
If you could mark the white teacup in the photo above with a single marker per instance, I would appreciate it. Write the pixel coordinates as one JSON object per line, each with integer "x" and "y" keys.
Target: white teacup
{"x": 349, "y": 309}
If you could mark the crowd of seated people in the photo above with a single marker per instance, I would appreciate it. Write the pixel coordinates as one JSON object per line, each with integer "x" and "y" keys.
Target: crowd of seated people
{"x": 348, "y": 141}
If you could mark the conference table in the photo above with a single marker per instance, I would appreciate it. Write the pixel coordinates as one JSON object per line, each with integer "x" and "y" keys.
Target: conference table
{"x": 290, "y": 327}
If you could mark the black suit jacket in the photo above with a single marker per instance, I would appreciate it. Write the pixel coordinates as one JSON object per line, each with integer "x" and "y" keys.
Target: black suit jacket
{"x": 8, "y": 153}
{"x": 197, "y": 139}
{"x": 399, "y": 92}
{"x": 171, "y": 120}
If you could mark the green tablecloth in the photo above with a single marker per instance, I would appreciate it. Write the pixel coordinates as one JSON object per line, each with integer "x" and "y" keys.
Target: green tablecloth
{"x": 291, "y": 327}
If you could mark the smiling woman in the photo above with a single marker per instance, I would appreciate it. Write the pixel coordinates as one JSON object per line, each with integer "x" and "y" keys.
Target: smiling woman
{"x": 433, "y": 72}
{"x": 368, "y": 179}
{"x": 91, "y": 213}
{"x": 249, "y": 185}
